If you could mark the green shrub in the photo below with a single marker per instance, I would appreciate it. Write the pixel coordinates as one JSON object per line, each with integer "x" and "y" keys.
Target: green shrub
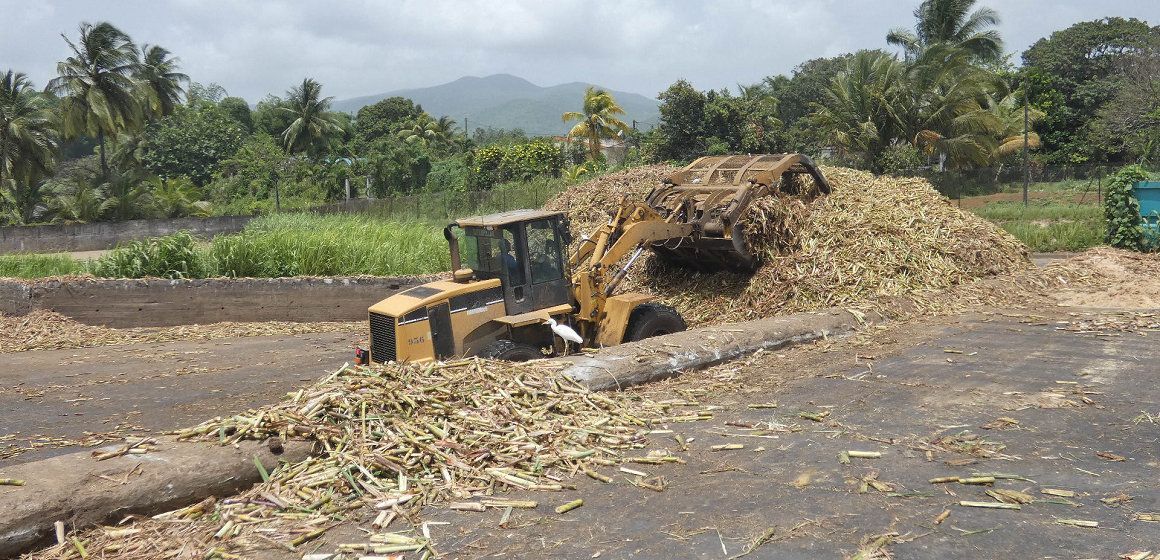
{"x": 448, "y": 174}
{"x": 520, "y": 162}
{"x": 1122, "y": 210}
{"x": 173, "y": 256}
{"x": 899, "y": 158}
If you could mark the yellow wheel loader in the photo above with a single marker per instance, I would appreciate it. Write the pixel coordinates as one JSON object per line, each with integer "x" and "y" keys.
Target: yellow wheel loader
{"x": 511, "y": 274}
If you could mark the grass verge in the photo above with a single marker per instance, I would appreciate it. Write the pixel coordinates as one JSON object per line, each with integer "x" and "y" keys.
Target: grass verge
{"x": 32, "y": 265}
{"x": 1049, "y": 226}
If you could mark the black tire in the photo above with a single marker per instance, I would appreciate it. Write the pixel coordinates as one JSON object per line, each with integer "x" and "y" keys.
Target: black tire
{"x": 511, "y": 351}
{"x": 652, "y": 319}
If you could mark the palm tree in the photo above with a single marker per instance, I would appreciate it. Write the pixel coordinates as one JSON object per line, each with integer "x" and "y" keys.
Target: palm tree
{"x": 97, "y": 85}
{"x": 951, "y": 22}
{"x": 433, "y": 132}
{"x": 314, "y": 126}
{"x": 83, "y": 204}
{"x": 27, "y": 146}
{"x": 444, "y": 128}
{"x": 177, "y": 198}
{"x": 857, "y": 114}
{"x": 1009, "y": 112}
{"x": 160, "y": 79}
{"x": 597, "y": 121}
{"x": 25, "y": 199}
{"x": 418, "y": 134}
{"x": 943, "y": 106}
{"x": 126, "y": 197}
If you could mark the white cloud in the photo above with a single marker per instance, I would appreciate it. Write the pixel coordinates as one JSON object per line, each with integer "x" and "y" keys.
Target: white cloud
{"x": 357, "y": 47}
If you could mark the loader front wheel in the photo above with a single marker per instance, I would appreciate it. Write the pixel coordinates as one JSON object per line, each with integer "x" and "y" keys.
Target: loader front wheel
{"x": 652, "y": 319}
{"x": 511, "y": 351}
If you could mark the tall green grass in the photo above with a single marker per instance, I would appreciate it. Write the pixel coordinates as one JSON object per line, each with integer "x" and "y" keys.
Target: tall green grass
{"x": 313, "y": 245}
{"x": 1049, "y": 226}
{"x": 172, "y": 256}
{"x": 270, "y": 247}
{"x": 39, "y": 265}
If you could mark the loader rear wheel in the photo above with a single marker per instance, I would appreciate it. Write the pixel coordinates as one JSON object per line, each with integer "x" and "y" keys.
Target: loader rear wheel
{"x": 652, "y": 319}
{"x": 511, "y": 351}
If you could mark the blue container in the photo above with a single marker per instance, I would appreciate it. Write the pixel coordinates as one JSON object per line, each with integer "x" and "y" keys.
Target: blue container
{"x": 1148, "y": 193}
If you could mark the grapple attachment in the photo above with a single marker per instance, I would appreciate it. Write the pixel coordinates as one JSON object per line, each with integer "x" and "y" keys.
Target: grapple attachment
{"x": 714, "y": 193}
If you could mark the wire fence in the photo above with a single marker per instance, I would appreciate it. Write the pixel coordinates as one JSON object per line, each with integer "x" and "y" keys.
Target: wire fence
{"x": 1085, "y": 184}
{"x": 1085, "y": 181}
{"x": 449, "y": 205}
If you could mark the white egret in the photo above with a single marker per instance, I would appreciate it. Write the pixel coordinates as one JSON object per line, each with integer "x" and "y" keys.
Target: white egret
{"x": 565, "y": 332}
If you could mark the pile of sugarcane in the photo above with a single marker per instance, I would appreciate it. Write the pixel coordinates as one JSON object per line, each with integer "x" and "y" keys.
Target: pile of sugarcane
{"x": 588, "y": 204}
{"x": 395, "y": 437}
{"x": 874, "y": 238}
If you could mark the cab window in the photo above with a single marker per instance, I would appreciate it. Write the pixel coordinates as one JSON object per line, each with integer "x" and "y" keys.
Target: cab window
{"x": 490, "y": 253}
{"x": 544, "y": 251}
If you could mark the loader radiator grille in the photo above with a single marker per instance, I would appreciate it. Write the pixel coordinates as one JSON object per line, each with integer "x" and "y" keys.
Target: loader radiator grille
{"x": 382, "y": 338}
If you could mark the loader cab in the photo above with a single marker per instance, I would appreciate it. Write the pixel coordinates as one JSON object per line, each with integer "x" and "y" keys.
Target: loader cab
{"x": 523, "y": 249}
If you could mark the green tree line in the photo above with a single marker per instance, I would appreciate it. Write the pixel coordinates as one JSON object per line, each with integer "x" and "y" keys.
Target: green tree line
{"x": 949, "y": 98}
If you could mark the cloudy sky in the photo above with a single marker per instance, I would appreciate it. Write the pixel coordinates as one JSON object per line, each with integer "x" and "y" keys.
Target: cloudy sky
{"x": 360, "y": 47}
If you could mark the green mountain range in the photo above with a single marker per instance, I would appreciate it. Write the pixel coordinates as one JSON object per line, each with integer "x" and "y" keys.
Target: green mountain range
{"x": 506, "y": 101}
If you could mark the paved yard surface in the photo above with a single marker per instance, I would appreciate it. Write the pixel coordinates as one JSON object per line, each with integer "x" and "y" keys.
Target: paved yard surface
{"x": 940, "y": 397}
{"x": 51, "y": 398}
{"x": 1008, "y": 393}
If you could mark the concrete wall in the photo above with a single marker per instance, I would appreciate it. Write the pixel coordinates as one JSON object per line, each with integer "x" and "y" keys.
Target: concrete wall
{"x": 160, "y": 303}
{"x": 106, "y": 235}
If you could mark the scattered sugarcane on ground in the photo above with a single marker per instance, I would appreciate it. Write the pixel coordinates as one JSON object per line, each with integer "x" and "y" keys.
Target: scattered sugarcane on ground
{"x": 397, "y": 437}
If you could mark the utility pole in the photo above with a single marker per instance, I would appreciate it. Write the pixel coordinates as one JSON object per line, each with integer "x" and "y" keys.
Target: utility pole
{"x": 277, "y": 199}
{"x": 1026, "y": 120}
{"x": 634, "y": 124}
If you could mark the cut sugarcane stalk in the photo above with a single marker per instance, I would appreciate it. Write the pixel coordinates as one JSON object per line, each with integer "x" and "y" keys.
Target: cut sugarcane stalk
{"x": 989, "y": 505}
{"x": 1079, "y": 523}
{"x": 593, "y": 474}
{"x": 569, "y": 506}
{"x": 978, "y": 480}
{"x": 727, "y": 447}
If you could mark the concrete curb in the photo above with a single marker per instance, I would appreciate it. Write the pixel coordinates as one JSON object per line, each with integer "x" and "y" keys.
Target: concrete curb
{"x": 70, "y": 488}
{"x": 124, "y": 303}
{"x": 666, "y": 356}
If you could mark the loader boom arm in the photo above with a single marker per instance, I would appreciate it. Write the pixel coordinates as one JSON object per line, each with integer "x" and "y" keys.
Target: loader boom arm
{"x": 633, "y": 226}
